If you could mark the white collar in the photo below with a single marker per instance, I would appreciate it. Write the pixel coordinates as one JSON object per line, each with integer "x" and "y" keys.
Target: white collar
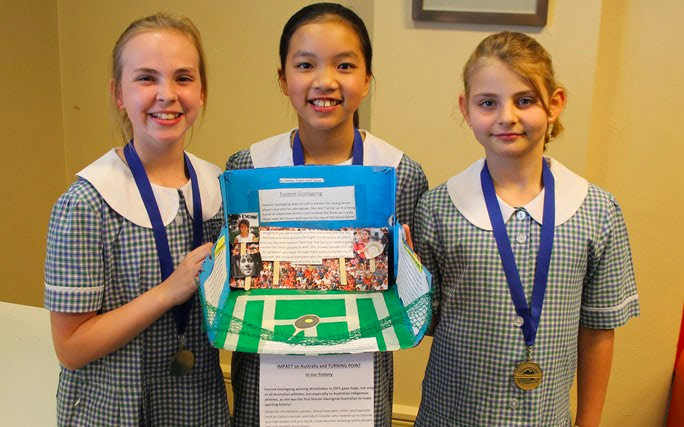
{"x": 112, "y": 178}
{"x": 465, "y": 191}
{"x": 276, "y": 151}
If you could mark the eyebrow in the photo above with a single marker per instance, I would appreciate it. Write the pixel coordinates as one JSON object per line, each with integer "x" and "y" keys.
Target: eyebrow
{"x": 345, "y": 54}
{"x": 146, "y": 70}
{"x": 186, "y": 70}
{"x": 153, "y": 71}
{"x": 495, "y": 95}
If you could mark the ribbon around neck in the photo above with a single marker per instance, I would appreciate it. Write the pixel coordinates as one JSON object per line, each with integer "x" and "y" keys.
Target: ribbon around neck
{"x": 357, "y": 150}
{"x": 181, "y": 313}
{"x": 532, "y": 313}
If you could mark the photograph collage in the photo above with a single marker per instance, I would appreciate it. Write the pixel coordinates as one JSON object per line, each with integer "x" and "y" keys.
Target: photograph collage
{"x": 366, "y": 271}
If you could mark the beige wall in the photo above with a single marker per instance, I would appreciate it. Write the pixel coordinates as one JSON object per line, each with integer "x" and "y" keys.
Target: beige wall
{"x": 615, "y": 57}
{"x": 32, "y": 143}
{"x": 636, "y": 152}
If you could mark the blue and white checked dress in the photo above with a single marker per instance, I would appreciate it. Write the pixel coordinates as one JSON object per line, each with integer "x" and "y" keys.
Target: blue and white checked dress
{"x": 411, "y": 184}
{"x": 476, "y": 346}
{"x": 98, "y": 260}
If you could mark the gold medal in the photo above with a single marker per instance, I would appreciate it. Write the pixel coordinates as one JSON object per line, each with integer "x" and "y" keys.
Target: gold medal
{"x": 527, "y": 375}
{"x": 183, "y": 361}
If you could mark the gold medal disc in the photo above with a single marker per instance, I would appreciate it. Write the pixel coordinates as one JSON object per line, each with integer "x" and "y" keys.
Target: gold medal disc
{"x": 182, "y": 363}
{"x": 527, "y": 375}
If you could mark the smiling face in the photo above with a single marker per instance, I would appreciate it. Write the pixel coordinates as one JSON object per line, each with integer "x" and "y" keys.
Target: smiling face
{"x": 506, "y": 113}
{"x": 325, "y": 74}
{"x": 160, "y": 87}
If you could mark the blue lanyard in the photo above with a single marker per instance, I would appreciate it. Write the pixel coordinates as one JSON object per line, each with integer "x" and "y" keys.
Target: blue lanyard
{"x": 181, "y": 312}
{"x": 531, "y": 314}
{"x": 357, "y": 150}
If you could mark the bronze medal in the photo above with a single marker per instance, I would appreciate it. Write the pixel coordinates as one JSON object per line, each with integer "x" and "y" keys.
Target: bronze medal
{"x": 182, "y": 363}
{"x": 527, "y": 375}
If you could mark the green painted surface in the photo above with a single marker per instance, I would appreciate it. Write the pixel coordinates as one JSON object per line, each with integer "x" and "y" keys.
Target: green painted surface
{"x": 253, "y": 313}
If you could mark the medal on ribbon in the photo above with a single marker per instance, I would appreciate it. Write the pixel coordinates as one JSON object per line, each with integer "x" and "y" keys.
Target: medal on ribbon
{"x": 184, "y": 360}
{"x": 527, "y": 374}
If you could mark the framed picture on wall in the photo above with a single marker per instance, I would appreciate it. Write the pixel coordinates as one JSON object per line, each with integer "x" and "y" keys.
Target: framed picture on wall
{"x": 502, "y": 12}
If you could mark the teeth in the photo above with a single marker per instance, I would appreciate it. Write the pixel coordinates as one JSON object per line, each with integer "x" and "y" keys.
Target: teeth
{"x": 325, "y": 102}
{"x": 166, "y": 116}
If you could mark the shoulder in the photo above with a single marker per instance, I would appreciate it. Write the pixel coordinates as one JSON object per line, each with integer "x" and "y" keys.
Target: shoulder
{"x": 203, "y": 167}
{"x": 269, "y": 152}
{"x": 273, "y": 151}
{"x": 377, "y": 152}
{"x": 210, "y": 190}
{"x": 382, "y": 153}
{"x": 240, "y": 160}
{"x": 599, "y": 197}
{"x": 80, "y": 210}
{"x": 82, "y": 195}
{"x": 436, "y": 198}
{"x": 601, "y": 207}
{"x": 410, "y": 168}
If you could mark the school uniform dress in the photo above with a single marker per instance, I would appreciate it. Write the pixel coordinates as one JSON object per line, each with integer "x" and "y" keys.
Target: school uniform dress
{"x": 477, "y": 339}
{"x": 411, "y": 184}
{"x": 101, "y": 254}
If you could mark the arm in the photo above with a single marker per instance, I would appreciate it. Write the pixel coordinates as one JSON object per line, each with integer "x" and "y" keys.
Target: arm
{"x": 80, "y": 338}
{"x": 411, "y": 185}
{"x": 608, "y": 301}
{"x": 594, "y": 358}
{"x": 427, "y": 247}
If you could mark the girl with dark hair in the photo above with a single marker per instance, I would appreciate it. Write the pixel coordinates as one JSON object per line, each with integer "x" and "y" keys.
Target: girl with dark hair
{"x": 325, "y": 70}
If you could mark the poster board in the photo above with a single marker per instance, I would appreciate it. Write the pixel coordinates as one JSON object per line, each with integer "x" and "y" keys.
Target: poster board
{"x": 301, "y": 321}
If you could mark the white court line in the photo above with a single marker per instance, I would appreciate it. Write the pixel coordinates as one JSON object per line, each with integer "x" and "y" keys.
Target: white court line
{"x": 267, "y": 317}
{"x": 353, "y": 312}
{"x": 391, "y": 339}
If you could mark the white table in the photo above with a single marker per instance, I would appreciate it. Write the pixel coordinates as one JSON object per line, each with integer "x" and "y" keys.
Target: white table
{"x": 28, "y": 366}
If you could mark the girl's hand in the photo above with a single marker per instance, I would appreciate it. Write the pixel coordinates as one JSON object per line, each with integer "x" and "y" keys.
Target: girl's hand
{"x": 409, "y": 240}
{"x": 80, "y": 338}
{"x": 182, "y": 283}
{"x": 407, "y": 230}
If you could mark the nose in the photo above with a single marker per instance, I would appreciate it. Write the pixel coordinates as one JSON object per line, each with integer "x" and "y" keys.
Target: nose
{"x": 325, "y": 79}
{"x": 166, "y": 92}
{"x": 508, "y": 114}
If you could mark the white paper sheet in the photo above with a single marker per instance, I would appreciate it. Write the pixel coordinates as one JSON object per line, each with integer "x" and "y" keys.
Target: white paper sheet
{"x": 316, "y": 391}
{"x": 411, "y": 280}
{"x": 305, "y": 246}
{"x": 213, "y": 285}
{"x": 307, "y": 204}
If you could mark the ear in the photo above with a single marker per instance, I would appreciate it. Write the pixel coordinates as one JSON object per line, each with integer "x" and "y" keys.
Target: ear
{"x": 463, "y": 106}
{"x": 115, "y": 93}
{"x": 282, "y": 81}
{"x": 556, "y": 104}
{"x": 366, "y": 85}
{"x": 202, "y": 96}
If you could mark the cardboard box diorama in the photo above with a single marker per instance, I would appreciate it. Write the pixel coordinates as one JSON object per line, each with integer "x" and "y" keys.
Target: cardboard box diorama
{"x": 311, "y": 261}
